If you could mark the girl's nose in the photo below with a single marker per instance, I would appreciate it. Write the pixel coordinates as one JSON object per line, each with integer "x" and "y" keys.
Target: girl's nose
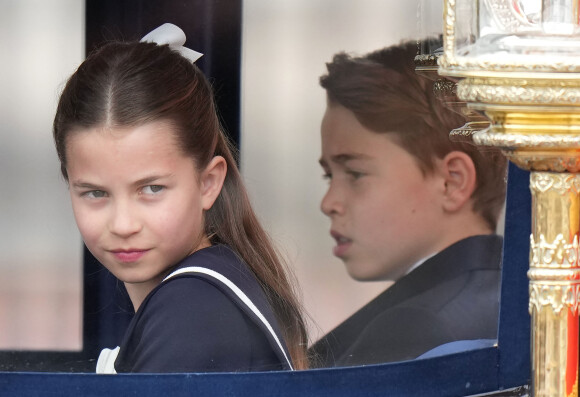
{"x": 124, "y": 220}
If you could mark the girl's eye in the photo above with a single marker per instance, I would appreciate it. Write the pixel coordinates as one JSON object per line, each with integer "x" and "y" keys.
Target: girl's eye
{"x": 153, "y": 189}
{"x": 327, "y": 176}
{"x": 95, "y": 194}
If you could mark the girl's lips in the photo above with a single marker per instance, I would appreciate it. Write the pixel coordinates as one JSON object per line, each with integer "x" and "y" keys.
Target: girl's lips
{"x": 129, "y": 256}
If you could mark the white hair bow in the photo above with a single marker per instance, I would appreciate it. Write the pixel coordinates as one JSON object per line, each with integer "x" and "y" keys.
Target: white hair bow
{"x": 170, "y": 34}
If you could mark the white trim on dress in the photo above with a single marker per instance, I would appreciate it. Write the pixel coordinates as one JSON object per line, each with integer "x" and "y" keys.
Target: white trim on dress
{"x": 243, "y": 297}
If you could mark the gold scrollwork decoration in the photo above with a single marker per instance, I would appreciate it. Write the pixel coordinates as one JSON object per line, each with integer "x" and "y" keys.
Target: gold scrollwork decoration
{"x": 465, "y": 133}
{"x": 560, "y": 253}
{"x": 447, "y": 59}
{"x": 444, "y": 88}
{"x": 557, "y": 297}
{"x": 553, "y": 163}
{"x": 462, "y": 134}
{"x": 459, "y": 65}
{"x": 425, "y": 60}
{"x": 505, "y": 91}
{"x": 513, "y": 141}
{"x": 554, "y": 276}
{"x": 560, "y": 183}
{"x": 522, "y": 81}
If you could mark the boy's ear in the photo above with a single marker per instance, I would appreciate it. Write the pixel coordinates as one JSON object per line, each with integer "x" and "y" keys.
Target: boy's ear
{"x": 212, "y": 180}
{"x": 460, "y": 180}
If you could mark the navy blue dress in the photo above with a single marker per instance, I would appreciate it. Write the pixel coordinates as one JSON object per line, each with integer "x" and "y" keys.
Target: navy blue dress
{"x": 209, "y": 315}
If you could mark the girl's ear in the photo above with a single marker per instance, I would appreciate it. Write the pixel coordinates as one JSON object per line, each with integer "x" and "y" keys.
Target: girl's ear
{"x": 212, "y": 180}
{"x": 460, "y": 180}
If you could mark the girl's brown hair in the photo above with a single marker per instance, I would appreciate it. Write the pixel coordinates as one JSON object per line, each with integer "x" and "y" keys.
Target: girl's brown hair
{"x": 131, "y": 84}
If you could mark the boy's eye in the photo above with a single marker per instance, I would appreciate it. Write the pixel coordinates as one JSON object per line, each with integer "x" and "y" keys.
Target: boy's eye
{"x": 94, "y": 194}
{"x": 327, "y": 176}
{"x": 153, "y": 189}
{"x": 355, "y": 174}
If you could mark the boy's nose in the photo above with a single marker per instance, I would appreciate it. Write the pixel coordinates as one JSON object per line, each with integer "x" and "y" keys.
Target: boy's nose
{"x": 331, "y": 203}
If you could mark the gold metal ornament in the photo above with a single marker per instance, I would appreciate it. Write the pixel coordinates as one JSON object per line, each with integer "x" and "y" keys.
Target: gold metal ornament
{"x": 525, "y": 77}
{"x": 554, "y": 276}
{"x": 446, "y": 91}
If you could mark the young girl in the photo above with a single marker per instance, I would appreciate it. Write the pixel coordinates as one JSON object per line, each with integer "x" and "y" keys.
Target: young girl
{"x": 160, "y": 203}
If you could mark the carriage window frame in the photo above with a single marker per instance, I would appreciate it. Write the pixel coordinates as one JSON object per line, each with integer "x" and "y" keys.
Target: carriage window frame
{"x": 475, "y": 371}
{"x": 504, "y": 366}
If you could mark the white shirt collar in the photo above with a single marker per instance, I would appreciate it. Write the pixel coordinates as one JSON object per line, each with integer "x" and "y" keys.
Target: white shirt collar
{"x": 419, "y": 263}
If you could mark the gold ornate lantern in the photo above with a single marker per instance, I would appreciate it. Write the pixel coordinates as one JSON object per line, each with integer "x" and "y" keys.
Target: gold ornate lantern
{"x": 518, "y": 62}
{"x": 426, "y": 63}
{"x": 446, "y": 90}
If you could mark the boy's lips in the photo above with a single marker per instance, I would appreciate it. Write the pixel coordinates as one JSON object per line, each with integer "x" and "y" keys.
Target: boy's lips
{"x": 342, "y": 244}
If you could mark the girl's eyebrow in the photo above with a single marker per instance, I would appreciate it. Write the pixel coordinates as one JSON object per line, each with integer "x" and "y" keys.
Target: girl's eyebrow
{"x": 150, "y": 179}
{"x": 85, "y": 185}
{"x": 80, "y": 184}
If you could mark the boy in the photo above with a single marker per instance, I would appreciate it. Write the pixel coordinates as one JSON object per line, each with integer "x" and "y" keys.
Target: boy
{"x": 409, "y": 205}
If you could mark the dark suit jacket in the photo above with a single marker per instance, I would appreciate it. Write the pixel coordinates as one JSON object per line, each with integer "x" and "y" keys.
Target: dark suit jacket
{"x": 452, "y": 296}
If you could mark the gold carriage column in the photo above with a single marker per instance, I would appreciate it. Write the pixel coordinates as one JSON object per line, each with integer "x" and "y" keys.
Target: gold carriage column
{"x": 554, "y": 283}
{"x": 518, "y": 62}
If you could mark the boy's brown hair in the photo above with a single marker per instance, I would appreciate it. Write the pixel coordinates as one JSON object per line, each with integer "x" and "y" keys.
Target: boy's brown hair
{"x": 386, "y": 95}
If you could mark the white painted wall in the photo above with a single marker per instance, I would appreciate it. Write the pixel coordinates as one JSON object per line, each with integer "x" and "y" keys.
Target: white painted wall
{"x": 41, "y": 42}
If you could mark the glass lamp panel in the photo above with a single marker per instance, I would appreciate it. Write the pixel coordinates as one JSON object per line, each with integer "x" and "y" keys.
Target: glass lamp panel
{"x": 500, "y": 35}
{"x": 430, "y": 27}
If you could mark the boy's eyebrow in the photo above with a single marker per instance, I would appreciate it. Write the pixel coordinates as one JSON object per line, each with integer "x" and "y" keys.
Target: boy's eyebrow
{"x": 345, "y": 157}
